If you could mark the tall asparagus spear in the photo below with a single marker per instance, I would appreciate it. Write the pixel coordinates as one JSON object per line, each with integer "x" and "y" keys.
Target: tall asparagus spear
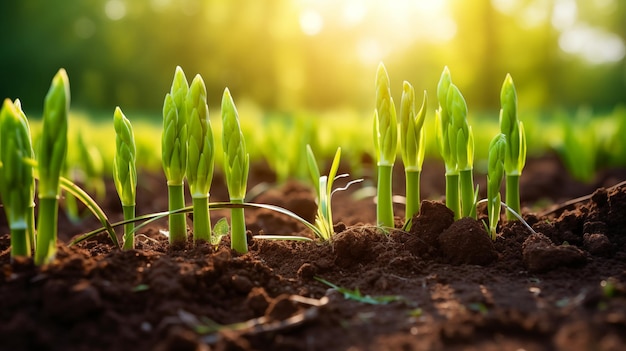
{"x": 51, "y": 156}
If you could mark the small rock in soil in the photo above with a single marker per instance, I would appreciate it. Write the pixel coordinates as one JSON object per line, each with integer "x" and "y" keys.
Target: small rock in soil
{"x": 541, "y": 255}
{"x": 594, "y": 227}
{"x": 467, "y": 242}
{"x": 258, "y": 300}
{"x": 281, "y": 308}
{"x": 598, "y": 244}
{"x": 307, "y": 271}
{"x": 241, "y": 283}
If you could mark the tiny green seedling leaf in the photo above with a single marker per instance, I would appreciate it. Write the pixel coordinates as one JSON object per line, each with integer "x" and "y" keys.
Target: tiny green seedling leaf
{"x": 220, "y": 230}
{"x": 356, "y": 295}
{"x": 140, "y": 287}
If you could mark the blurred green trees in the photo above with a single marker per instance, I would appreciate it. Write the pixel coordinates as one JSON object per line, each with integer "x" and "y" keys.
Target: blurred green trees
{"x": 288, "y": 54}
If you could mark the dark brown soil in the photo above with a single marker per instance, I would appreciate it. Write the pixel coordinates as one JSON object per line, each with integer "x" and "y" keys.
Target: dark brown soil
{"x": 442, "y": 286}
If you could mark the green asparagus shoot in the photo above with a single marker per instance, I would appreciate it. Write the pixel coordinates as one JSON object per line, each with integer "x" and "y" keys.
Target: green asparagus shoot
{"x": 456, "y": 146}
{"x": 236, "y": 167}
{"x": 386, "y": 146}
{"x": 444, "y": 126}
{"x": 125, "y": 172}
{"x": 464, "y": 143}
{"x": 174, "y": 153}
{"x": 495, "y": 174}
{"x": 30, "y": 225}
{"x": 515, "y": 154}
{"x": 17, "y": 184}
{"x": 200, "y": 158}
{"x": 412, "y": 146}
{"x": 51, "y": 156}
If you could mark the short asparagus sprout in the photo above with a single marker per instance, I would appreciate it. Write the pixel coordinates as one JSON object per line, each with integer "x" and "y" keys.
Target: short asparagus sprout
{"x": 30, "y": 228}
{"x": 17, "y": 184}
{"x": 386, "y": 146}
{"x": 125, "y": 172}
{"x": 456, "y": 146}
{"x": 324, "y": 191}
{"x": 174, "y": 154}
{"x": 236, "y": 167}
{"x": 412, "y": 146}
{"x": 200, "y": 158}
{"x": 495, "y": 173}
{"x": 51, "y": 156}
{"x": 515, "y": 154}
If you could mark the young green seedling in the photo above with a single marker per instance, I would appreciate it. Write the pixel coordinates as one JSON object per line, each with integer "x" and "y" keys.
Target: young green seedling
{"x": 200, "y": 159}
{"x": 174, "y": 153}
{"x": 386, "y": 146}
{"x": 495, "y": 174}
{"x": 464, "y": 150}
{"x": 125, "y": 172}
{"x": 236, "y": 167}
{"x": 52, "y": 153}
{"x": 515, "y": 154}
{"x": 324, "y": 190}
{"x": 456, "y": 145}
{"x": 17, "y": 184}
{"x": 443, "y": 125}
{"x": 412, "y": 146}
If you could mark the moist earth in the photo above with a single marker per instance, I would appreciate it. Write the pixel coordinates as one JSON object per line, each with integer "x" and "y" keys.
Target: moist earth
{"x": 442, "y": 285}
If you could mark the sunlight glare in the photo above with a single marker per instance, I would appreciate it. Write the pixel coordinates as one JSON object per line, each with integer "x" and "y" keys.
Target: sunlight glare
{"x": 536, "y": 13}
{"x": 369, "y": 51}
{"x": 115, "y": 9}
{"x": 311, "y": 22}
{"x": 380, "y": 27}
{"x": 592, "y": 44}
{"x": 564, "y": 14}
{"x": 159, "y": 5}
{"x": 354, "y": 12}
{"x": 505, "y": 6}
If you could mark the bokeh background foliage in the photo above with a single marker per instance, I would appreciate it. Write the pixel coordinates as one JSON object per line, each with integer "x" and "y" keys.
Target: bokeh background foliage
{"x": 306, "y": 55}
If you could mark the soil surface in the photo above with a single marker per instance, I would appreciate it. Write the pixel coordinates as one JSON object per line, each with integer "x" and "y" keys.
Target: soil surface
{"x": 443, "y": 285}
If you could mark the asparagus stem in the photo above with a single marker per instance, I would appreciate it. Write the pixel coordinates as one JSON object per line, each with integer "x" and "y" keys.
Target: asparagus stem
{"x": 125, "y": 173}
{"x": 201, "y": 219}
{"x": 512, "y": 195}
{"x": 412, "y": 193}
{"x": 47, "y": 231}
{"x": 495, "y": 173}
{"x": 493, "y": 208}
{"x": 384, "y": 208}
{"x": 238, "y": 238}
{"x": 177, "y": 224}
{"x": 30, "y": 226}
{"x": 20, "y": 245}
{"x": 466, "y": 184}
{"x": 129, "y": 235}
{"x": 452, "y": 194}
